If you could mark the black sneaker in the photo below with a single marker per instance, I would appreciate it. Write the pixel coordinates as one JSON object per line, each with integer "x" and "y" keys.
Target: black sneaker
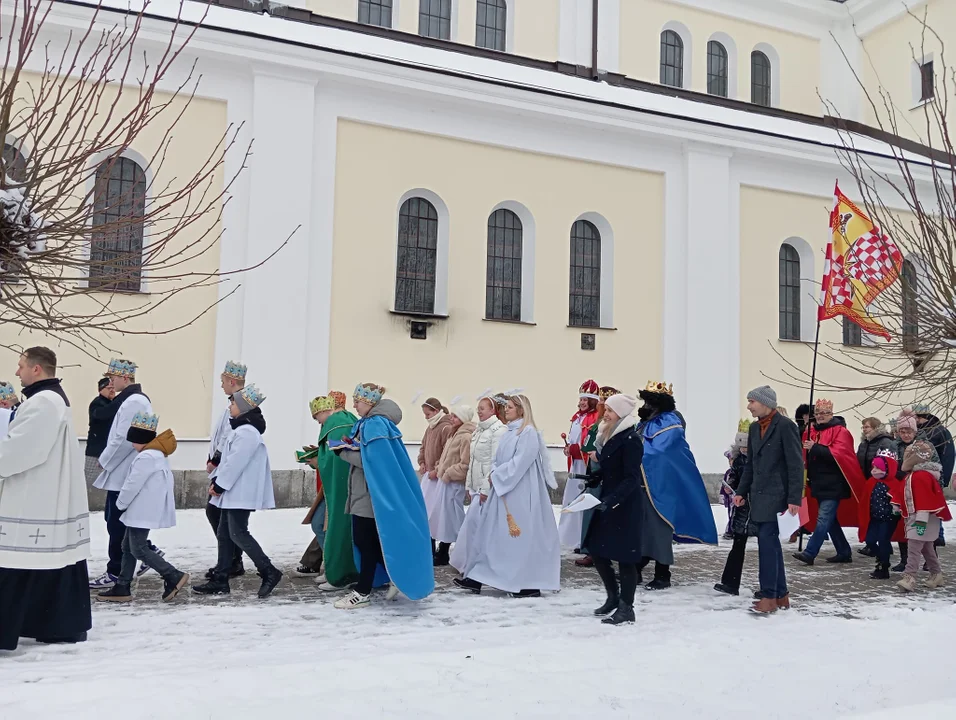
{"x": 840, "y": 559}
{"x": 119, "y": 593}
{"x": 172, "y": 587}
{"x": 882, "y": 572}
{"x": 804, "y": 558}
{"x": 526, "y": 594}
{"x": 218, "y": 585}
{"x": 658, "y": 584}
{"x": 866, "y": 551}
{"x": 269, "y": 581}
{"x": 899, "y": 568}
{"x": 305, "y": 571}
{"x": 623, "y": 614}
{"x": 726, "y": 589}
{"x": 464, "y": 583}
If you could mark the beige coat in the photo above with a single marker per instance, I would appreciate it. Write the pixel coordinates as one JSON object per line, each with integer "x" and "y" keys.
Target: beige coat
{"x": 453, "y": 466}
{"x": 433, "y": 444}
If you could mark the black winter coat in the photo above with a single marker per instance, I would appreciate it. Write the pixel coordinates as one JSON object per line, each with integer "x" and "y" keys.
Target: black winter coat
{"x": 615, "y": 531}
{"x": 935, "y": 432}
{"x": 869, "y": 448}
{"x": 100, "y": 423}
{"x": 823, "y": 473}
{"x": 773, "y": 477}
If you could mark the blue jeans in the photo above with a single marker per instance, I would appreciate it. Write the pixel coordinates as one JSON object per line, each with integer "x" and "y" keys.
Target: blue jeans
{"x": 318, "y": 523}
{"x": 827, "y": 524}
{"x": 882, "y": 532}
{"x": 773, "y": 576}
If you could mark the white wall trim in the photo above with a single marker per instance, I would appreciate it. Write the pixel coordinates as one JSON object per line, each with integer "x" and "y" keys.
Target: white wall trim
{"x": 688, "y": 39}
{"x": 442, "y": 252}
{"x": 21, "y": 144}
{"x": 609, "y": 35}
{"x": 607, "y": 264}
{"x": 733, "y": 68}
{"x": 528, "y": 238}
{"x": 774, "y": 57}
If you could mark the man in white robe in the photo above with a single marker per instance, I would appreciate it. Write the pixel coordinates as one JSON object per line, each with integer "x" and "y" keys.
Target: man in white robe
{"x": 44, "y": 515}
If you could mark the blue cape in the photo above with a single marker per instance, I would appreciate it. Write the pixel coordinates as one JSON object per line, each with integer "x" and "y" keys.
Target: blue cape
{"x": 675, "y": 485}
{"x": 399, "y": 509}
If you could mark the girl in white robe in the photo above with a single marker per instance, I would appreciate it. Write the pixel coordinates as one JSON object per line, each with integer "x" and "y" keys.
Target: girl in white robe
{"x": 521, "y": 556}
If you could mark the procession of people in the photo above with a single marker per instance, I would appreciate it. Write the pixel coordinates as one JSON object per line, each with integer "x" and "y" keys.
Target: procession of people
{"x": 479, "y": 500}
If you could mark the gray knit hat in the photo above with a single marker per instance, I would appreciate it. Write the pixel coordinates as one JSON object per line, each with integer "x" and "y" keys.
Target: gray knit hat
{"x": 765, "y": 395}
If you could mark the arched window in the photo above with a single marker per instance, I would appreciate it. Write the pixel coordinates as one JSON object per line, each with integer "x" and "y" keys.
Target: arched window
{"x": 375, "y": 12}
{"x": 492, "y": 24}
{"x": 761, "y": 81}
{"x": 503, "y": 278}
{"x": 717, "y": 69}
{"x": 585, "y": 286}
{"x": 909, "y": 288}
{"x": 14, "y": 164}
{"x": 434, "y": 19}
{"x": 672, "y": 59}
{"x": 789, "y": 293}
{"x": 119, "y": 204}
{"x": 417, "y": 257}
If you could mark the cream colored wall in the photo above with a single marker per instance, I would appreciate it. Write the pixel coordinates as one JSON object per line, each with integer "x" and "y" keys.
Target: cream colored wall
{"x": 536, "y": 28}
{"x": 466, "y": 354}
{"x": 174, "y": 368}
{"x": 888, "y": 61}
{"x": 642, "y": 22}
{"x": 763, "y": 358}
{"x": 342, "y": 9}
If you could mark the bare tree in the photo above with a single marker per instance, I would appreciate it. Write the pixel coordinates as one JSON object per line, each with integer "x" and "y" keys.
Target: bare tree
{"x": 912, "y": 199}
{"x": 80, "y": 223}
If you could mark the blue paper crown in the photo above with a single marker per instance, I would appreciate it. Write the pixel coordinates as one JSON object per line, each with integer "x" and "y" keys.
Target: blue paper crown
{"x": 252, "y": 395}
{"x": 368, "y": 395}
{"x": 145, "y": 421}
{"x": 122, "y": 368}
{"x": 7, "y": 391}
{"x": 235, "y": 370}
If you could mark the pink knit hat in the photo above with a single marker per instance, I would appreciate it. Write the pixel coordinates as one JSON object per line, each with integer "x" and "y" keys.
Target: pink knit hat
{"x": 907, "y": 419}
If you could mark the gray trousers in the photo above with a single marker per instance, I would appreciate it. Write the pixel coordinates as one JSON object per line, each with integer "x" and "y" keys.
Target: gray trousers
{"x": 136, "y": 546}
{"x": 234, "y": 532}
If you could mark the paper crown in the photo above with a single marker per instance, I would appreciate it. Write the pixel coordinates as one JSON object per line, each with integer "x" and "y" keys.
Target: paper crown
{"x": 7, "y": 391}
{"x": 824, "y": 405}
{"x": 887, "y": 453}
{"x": 921, "y": 409}
{"x": 371, "y": 395}
{"x": 744, "y": 426}
{"x": 607, "y": 391}
{"x": 145, "y": 421}
{"x": 589, "y": 390}
{"x": 331, "y": 401}
{"x": 660, "y": 388}
{"x": 237, "y": 371}
{"x": 121, "y": 368}
{"x": 252, "y": 395}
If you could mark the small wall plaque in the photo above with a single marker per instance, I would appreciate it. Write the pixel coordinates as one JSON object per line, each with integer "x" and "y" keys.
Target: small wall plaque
{"x": 419, "y": 330}
{"x": 588, "y": 341}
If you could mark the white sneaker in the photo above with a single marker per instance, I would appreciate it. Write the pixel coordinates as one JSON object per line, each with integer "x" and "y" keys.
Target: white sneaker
{"x": 392, "y": 592}
{"x": 320, "y": 579}
{"x": 329, "y": 587}
{"x": 353, "y": 601}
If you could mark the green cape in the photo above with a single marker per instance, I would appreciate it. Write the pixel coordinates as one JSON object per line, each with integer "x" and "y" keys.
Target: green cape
{"x": 334, "y": 473}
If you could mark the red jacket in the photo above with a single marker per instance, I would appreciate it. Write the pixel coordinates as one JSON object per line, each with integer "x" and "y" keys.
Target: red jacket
{"x": 840, "y": 443}
{"x": 927, "y": 495}
{"x": 574, "y": 449}
{"x": 899, "y": 535}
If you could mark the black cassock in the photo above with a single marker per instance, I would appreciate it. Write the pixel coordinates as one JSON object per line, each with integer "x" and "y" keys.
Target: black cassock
{"x": 47, "y": 605}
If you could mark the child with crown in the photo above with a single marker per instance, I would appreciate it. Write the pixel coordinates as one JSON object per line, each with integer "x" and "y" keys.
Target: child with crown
{"x": 570, "y": 525}
{"x": 243, "y": 485}
{"x": 146, "y": 502}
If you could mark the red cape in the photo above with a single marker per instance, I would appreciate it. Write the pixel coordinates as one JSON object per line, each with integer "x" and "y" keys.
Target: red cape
{"x": 840, "y": 442}
{"x": 899, "y": 535}
{"x": 587, "y": 420}
{"x": 927, "y": 495}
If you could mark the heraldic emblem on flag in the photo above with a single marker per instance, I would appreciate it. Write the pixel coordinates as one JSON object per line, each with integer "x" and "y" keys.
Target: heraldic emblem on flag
{"x": 861, "y": 263}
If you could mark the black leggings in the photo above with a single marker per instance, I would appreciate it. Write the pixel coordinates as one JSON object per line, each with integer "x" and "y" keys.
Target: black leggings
{"x": 365, "y": 537}
{"x": 628, "y": 579}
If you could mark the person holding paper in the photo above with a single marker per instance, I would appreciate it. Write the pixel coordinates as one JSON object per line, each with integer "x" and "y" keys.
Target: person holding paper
{"x": 772, "y": 484}
{"x": 614, "y": 533}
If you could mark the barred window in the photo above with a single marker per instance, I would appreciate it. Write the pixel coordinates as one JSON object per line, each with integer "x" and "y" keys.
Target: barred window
{"x": 761, "y": 81}
{"x": 417, "y": 257}
{"x": 434, "y": 19}
{"x": 119, "y": 205}
{"x": 503, "y": 279}
{"x": 585, "y": 285}
{"x": 375, "y": 12}
{"x": 852, "y": 333}
{"x": 492, "y": 20}
{"x": 14, "y": 164}
{"x": 909, "y": 288}
{"x": 717, "y": 69}
{"x": 672, "y": 59}
{"x": 789, "y": 293}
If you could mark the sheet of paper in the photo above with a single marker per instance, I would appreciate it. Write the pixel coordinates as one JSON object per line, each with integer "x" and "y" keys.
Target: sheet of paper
{"x": 788, "y": 524}
{"x": 584, "y": 501}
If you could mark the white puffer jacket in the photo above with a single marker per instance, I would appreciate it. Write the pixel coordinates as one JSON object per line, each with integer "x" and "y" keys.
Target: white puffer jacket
{"x": 484, "y": 445}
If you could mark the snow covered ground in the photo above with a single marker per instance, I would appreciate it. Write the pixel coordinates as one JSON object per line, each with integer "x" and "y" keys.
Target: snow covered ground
{"x": 842, "y": 652}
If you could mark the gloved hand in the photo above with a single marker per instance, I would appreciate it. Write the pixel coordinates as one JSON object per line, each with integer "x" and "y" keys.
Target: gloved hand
{"x": 593, "y": 481}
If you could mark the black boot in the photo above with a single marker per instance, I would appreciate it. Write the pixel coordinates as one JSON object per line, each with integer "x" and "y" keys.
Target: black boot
{"x": 867, "y": 551}
{"x": 726, "y": 589}
{"x": 237, "y": 569}
{"x": 882, "y": 572}
{"x": 441, "y": 557}
{"x": 623, "y": 614}
{"x": 119, "y": 593}
{"x": 904, "y": 556}
{"x": 218, "y": 585}
{"x": 173, "y": 584}
{"x": 434, "y": 547}
{"x": 662, "y": 578}
{"x": 270, "y": 578}
{"x": 610, "y": 605}
{"x": 464, "y": 583}
{"x": 526, "y": 594}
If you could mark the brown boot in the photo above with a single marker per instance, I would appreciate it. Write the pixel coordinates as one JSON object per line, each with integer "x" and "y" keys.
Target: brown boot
{"x": 784, "y": 602}
{"x": 766, "y": 606}
{"x": 585, "y": 561}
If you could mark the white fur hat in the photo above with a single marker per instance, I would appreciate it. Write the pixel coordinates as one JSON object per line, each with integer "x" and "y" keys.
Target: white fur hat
{"x": 623, "y": 405}
{"x": 465, "y": 413}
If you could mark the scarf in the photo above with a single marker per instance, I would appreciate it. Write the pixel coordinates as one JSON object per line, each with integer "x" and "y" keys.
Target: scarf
{"x": 765, "y": 422}
{"x": 50, "y": 384}
{"x": 435, "y": 419}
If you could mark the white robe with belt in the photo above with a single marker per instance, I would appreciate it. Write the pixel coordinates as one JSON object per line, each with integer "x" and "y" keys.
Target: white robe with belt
{"x": 571, "y": 524}
{"x": 531, "y": 561}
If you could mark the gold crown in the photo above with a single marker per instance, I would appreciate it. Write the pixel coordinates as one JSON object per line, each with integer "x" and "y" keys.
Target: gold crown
{"x": 824, "y": 405}
{"x": 661, "y": 388}
{"x": 743, "y": 426}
